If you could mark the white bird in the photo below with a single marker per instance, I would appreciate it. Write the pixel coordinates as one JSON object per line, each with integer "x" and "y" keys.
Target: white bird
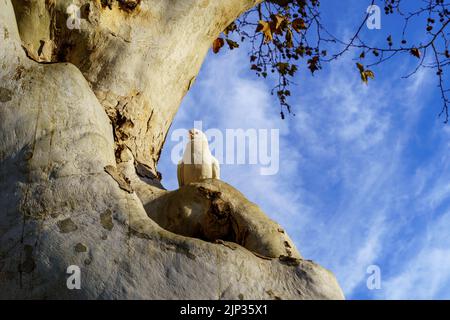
{"x": 197, "y": 163}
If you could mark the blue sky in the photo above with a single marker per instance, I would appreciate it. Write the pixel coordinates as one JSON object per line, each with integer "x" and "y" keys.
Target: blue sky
{"x": 364, "y": 173}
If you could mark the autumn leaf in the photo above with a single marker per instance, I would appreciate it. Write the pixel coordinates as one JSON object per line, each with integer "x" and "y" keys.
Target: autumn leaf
{"x": 360, "y": 67}
{"x": 292, "y": 71}
{"x": 365, "y": 74}
{"x": 415, "y": 52}
{"x": 300, "y": 51}
{"x": 298, "y": 24}
{"x": 277, "y": 23}
{"x": 289, "y": 39}
{"x": 364, "y": 78}
{"x": 232, "y": 44}
{"x": 264, "y": 27}
{"x": 231, "y": 28}
{"x": 218, "y": 44}
{"x": 282, "y": 67}
{"x": 313, "y": 64}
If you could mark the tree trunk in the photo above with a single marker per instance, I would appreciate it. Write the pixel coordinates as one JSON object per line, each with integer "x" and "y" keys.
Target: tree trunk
{"x": 84, "y": 114}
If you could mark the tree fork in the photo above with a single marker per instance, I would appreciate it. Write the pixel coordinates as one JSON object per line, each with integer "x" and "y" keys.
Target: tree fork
{"x": 100, "y": 98}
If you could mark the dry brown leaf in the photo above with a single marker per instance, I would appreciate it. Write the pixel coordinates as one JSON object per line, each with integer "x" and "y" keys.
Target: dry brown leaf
{"x": 415, "y": 52}
{"x": 298, "y": 24}
{"x": 264, "y": 27}
{"x": 218, "y": 44}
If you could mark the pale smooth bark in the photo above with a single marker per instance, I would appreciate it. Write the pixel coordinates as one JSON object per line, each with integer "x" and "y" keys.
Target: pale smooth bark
{"x": 84, "y": 114}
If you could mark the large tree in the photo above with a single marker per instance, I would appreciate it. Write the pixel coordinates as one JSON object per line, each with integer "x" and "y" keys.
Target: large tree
{"x": 85, "y": 106}
{"x": 84, "y": 113}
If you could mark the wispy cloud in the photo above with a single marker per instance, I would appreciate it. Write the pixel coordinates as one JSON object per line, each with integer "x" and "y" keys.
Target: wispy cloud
{"x": 346, "y": 137}
{"x": 348, "y": 191}
{"x": 225, "y": 98}
{"x": 426, "y": 275}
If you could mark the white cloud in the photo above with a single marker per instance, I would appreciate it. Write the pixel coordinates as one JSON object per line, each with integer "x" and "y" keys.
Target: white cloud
{"x": 427, "y": 274}
{"x": 341, "y": 192}
{"x": 225, "y": 99}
